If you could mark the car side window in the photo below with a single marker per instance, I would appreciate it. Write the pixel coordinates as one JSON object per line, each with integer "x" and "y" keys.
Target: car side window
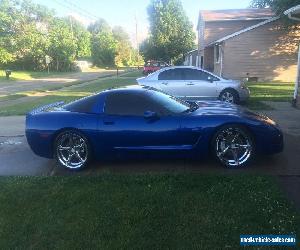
{"x": 196, "y": 74}
{"x": 130, "y": 104}
{"x": 171, "y": 74}
{"x": 192, "y": 74}
{"x": 208, "y": 77}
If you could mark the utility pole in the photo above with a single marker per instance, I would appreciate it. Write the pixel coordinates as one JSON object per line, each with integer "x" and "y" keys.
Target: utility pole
{"x": 71, "y": 25}
{"x": 136, "y": 34}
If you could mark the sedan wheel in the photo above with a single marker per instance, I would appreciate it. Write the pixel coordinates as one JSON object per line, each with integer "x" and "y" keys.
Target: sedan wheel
{"x": 233, "y": 146}
{"x": 229, "y": 96}
{"x": 72, "y": 150}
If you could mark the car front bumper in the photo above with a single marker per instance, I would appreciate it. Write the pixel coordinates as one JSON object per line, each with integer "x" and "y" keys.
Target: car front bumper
{"x": 244, "y": 94}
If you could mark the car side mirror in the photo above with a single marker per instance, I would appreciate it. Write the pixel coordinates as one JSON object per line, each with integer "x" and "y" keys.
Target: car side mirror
{"x": 150, "y": 115}
{"x": 210, "y": 79}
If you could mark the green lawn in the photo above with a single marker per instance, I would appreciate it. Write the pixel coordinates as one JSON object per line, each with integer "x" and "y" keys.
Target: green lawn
{"x": 136, "y": 74}
{"x": 29, "y": 75}
{"x": 273, "y": 91}
{"x": 259, "y": 92}
{"x": 67, "y": 95}
{"x": 140, "y": 211}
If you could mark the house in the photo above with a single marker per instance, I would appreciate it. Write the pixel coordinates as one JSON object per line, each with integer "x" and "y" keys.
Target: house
{"x": 247, "y": 43}
{"x": 191, "y": 58}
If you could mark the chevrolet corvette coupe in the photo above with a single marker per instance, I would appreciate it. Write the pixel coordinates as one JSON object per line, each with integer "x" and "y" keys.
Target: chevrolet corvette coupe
{"x": 142, "y": 119}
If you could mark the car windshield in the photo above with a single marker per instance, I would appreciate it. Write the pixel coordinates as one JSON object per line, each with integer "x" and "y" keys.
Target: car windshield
{"x": 172, "y": 104}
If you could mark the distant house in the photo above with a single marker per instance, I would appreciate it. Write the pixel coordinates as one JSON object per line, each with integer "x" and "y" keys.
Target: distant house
{"x": 246, "y": 43}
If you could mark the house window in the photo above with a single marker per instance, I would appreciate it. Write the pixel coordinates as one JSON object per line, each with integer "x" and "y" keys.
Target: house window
{"x": 217, "y": 53}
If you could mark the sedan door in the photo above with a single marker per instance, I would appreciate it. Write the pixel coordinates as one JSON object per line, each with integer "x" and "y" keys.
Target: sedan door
{"x": 172, "y": 82}
{"x": 199, "y": 84}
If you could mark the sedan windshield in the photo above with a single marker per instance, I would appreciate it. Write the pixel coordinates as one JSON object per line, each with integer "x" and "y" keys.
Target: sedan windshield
{"x": 172, "y": 104}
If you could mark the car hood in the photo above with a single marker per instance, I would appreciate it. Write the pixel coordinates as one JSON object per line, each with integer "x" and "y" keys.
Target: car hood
{"x": 223, "y": 108}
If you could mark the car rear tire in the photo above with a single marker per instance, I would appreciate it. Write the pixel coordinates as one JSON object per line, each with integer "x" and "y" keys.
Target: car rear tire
{"x": 233, "y": 146}
{"x": 72, "y": 150}
{"x": 230, "y": 96}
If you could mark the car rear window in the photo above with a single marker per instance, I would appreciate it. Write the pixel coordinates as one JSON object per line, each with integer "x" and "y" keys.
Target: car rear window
{"x": 84, "y": 105}
{"x": 171, "y": 74}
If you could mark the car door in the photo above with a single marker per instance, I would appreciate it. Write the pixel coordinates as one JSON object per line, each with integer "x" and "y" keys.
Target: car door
{"x": 124, "y": 125}
{"x": 171, "y": 81}
{"x": 199, "y": 84}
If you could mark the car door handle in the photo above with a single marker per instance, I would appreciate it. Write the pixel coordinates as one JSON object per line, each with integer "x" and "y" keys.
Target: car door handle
{"x": 164, "y": 83}
{"x": 108, "y": 122}
{"x": 190, "y": 84}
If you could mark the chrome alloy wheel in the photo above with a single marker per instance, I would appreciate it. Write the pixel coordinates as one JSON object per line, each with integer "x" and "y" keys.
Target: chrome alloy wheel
{"x": 227, "y": 97}
{"x": 72, "y": 150}
{"x": 233, "y": 147}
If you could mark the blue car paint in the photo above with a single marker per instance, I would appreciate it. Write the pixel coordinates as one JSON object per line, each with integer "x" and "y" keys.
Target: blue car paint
{"x": 188, "y": 132}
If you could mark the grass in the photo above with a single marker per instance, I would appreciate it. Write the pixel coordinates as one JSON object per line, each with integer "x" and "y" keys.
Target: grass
{"x": 11, "y": 97}
{"x": 42, "y": 97}
{"x": 269, "y": 91}
{"x": 142, "y": 211}
{"x": 259, "y": 92}
{"x": 136, "y": 74}
{"x": 29, "y": 75}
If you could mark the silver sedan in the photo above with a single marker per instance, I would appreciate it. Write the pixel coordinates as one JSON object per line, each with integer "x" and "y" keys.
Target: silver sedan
{"x": 192, "y": 83}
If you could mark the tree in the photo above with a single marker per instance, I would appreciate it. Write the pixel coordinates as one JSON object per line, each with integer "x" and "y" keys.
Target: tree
{"x": 120, "y": 34}
{"x": 103, "y": 49}
{"x": 82, "y": 38}
{"x": 21, "y": 34}
{"x": 62, "y": 44}
{"x": 103, "y": 45}
{"x": 5, "y": 56}
{"x": 279, "y": 6}
{"x": 171, "y": 31}
{"x": 99, "y": 26}
{"x": 124, "y": 49}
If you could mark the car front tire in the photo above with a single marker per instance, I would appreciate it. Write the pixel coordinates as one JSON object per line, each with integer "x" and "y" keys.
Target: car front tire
{"x": 233, "y": 146}
{"x": 72, "y": 150}
{"x": 230, "y": 96}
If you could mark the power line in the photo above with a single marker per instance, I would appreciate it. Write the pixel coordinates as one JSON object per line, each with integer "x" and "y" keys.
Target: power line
{"x": 81, "y": 9}
{"x": 74, "y": 9}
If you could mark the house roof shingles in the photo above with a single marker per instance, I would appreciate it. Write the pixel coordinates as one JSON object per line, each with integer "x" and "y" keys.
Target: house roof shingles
{"x": 236, "y": 14}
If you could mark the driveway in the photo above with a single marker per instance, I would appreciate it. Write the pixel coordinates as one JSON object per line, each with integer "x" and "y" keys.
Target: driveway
{"x": 15, "y": 153}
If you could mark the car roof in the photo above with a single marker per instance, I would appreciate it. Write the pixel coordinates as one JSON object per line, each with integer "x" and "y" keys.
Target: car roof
{"x": 129, "y": 88}
{"x": 180, "y": 67}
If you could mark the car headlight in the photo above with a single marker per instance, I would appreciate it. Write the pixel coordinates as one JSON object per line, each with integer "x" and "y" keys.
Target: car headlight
{"x": 267, "y": 120}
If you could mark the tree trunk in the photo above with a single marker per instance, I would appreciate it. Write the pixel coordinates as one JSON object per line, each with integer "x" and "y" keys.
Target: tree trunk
{"x": 57, "y": 64}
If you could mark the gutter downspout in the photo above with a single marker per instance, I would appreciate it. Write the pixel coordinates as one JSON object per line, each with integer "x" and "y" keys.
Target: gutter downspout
{"x": 297, "y": 79}
{"x": 221, "y": 59}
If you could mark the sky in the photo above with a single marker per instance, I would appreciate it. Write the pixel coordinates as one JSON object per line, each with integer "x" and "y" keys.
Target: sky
{"x": 124, "y": 13}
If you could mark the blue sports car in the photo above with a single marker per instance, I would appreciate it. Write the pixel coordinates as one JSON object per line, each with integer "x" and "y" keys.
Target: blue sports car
{"x": 142, "y": 119}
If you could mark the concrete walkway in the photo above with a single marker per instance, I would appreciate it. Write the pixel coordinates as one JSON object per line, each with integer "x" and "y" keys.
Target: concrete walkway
{"x": 287, "y": 117}
{"x": 11, "y": 126}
